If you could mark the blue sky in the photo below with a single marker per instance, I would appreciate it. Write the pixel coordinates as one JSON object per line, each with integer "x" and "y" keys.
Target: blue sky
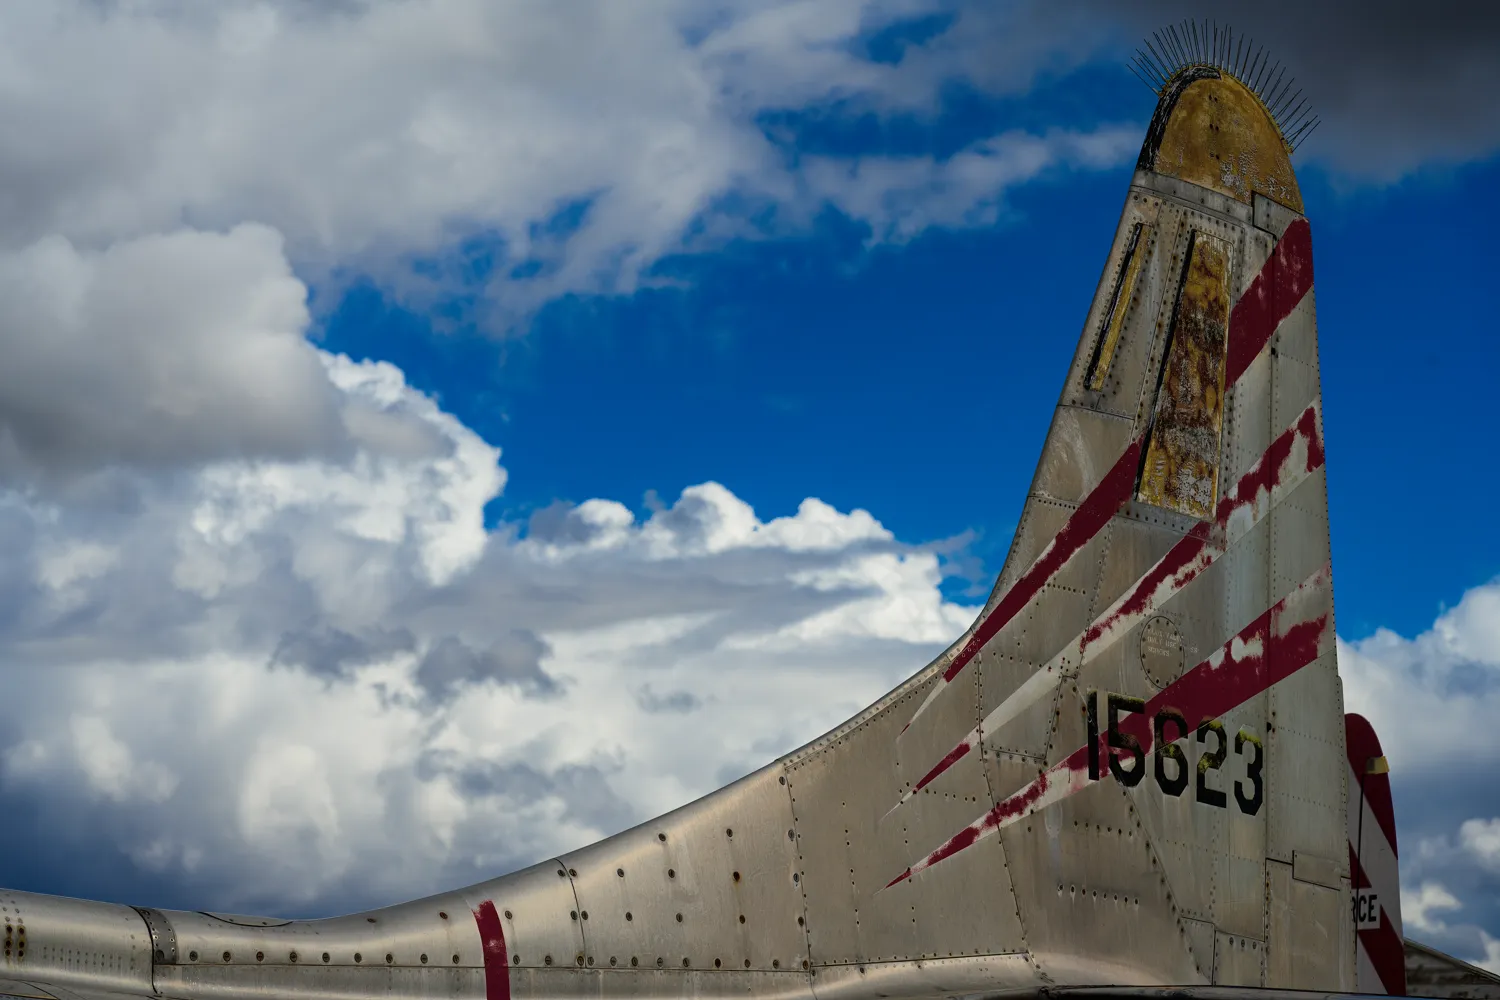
{"x": 424, "y": 421}
{"x": 821, "y": 366}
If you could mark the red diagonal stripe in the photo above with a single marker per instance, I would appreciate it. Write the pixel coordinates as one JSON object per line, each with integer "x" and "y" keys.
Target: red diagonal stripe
{"x": 1264, "y": 653}
{"x": 1086, "y": 522}
{"x": 1284, "y": 278}
{"x": 492, "y": 944}
{"x": 1361, "y": 744}
{"x": 1280, "y": 285}
{"x": 1382, "y": 944}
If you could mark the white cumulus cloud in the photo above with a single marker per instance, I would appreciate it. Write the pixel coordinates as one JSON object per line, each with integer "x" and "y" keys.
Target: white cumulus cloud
{"x": 321, "y": 682}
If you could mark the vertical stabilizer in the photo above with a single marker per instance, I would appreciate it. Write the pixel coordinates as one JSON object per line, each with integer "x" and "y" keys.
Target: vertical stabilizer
{"x": 1380, "y": 959}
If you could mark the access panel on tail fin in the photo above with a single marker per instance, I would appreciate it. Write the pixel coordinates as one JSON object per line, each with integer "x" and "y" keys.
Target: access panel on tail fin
{"x": 1130, "y": 771}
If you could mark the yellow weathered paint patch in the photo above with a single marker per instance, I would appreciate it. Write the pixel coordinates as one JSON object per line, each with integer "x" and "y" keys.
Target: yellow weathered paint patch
{"x": 1119, "y": 304}
{"x": 1219, "y": 135}
{"x": 1181, "y": 467}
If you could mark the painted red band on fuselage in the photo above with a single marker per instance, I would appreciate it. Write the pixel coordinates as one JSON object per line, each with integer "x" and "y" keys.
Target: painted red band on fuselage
{"x": 496, "y": 958}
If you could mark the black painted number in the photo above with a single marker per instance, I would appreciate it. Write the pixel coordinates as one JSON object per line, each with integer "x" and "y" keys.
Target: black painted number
{"x": 1211, "y": 762}
{"x": 1125, "y": 741}
{"x": 1167, "y": 750}
{"x": 1169, "y": 762}
{"x": 1250, "y": 804}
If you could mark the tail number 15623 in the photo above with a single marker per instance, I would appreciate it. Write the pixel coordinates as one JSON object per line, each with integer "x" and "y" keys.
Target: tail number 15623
{"x": 1170, "y": 764}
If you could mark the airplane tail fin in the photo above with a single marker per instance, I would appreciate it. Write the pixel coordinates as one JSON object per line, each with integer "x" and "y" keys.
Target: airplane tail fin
{"x": 1380, "y": 964}
{"x": 1131, "y": 770}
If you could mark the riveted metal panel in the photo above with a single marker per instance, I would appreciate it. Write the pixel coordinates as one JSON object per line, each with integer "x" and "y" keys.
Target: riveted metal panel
{"x": 935, "y": 977}
{"x": 1197, "y": 610}
{"x": 1200, "y": 937}
{"x": 1296, "y": 339}
{"x": 1041, "y": 520}
{"x": 673, "y": 984}
{"x": 1306, "y": 766}
{"x": 711, "y": 883}
{"x": 857, "y": 840}
{"x": 269, "y": 982}
{"x": 1001, "y": 670}
{"x": 1053, "y": 619}
{"x": 1299, "y": 534}
{"x": 1143, "y": 323}
{"x": 1135, "y": 312}
{"x": 75, "y": 944}
{"x": 163, "y": 937}
{"x": 1082, "y": 446}
{"x": 1176, "y": 191}
{"x": 1306, "y": 946}
{"x": 1088, "y": 902}
{"x": 1247, "y": 419}
{"x": 1271, "y": 216}
{"x": 1246, "y": 573}
{"x": 213, "y": 949}
{"x": 535, "y": 907}
{"x": 1134, "y": 545}
{"x": 1134, "y": 253}
{"x": 1239, "y": 961}
{"x": 1293, "y": 386}
{"x": 1090, "y": 910}
{"x": 928, "y": 739}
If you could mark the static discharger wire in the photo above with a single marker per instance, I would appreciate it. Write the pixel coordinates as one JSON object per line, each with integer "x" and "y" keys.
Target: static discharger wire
{"x": 1194, "y": 45}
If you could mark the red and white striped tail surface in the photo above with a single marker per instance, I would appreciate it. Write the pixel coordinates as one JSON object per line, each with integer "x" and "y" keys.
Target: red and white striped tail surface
{"x": 1380, "y": 958}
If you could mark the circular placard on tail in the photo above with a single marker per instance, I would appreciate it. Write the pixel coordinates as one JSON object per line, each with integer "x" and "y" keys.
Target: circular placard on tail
{"x": 1161, "y": 651}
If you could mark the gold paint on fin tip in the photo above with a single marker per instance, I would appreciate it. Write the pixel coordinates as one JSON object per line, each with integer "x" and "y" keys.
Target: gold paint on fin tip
{"x": 1219, "y": 135}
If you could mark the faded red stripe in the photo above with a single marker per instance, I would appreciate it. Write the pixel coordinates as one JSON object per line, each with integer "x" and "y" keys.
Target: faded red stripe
{"x": 953, "y": 756}
{"x": 1361, "y": 744}
{"x": 1084, "y": 523}
{"x": 1280, "y": 285}
{"x": 496, "y": 958}
{"x": 1275, "y": 292}
{"x": 1237, "y": 672}
{"x": 1382, "y": 944}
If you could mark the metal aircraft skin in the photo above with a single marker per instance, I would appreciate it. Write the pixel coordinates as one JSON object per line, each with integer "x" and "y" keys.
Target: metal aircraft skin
{"x": 1131, "y": 771}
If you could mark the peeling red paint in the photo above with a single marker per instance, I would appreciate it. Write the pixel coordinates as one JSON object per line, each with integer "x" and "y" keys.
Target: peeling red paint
{"x": 1308, "y": 428}
{"x": 1086, "y": 522}
{"x": 903, "y": 876}
{"x": 1278, "y": 288}
{"x": 1189, "y": 557}
{"x": 1177, "y": 559}
{"x": 1265, "y": 475}
{"x": 496, "y": 959}
{"x": 953, "y": 757}
{"x": 1259, "y": 656}
{"x": 1276, "y": 291}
